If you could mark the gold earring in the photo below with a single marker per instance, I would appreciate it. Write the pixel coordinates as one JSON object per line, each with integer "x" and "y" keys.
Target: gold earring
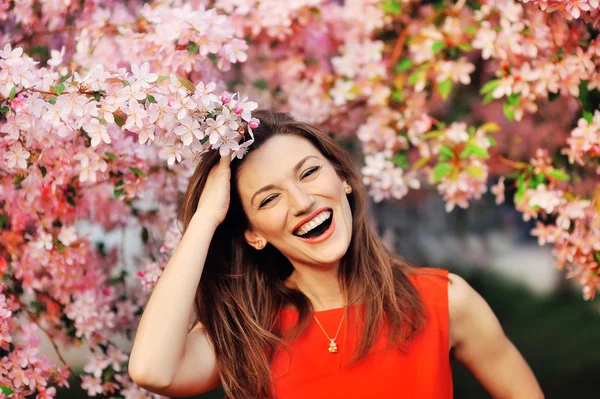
{"x": 348, "y": 189}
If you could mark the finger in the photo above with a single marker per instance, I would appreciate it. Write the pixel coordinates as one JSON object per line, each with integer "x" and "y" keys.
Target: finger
{"x": 225, "y": 161}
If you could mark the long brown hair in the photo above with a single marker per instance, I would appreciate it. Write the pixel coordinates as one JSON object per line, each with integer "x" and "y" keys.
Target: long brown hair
{"x": 242, "y": 290}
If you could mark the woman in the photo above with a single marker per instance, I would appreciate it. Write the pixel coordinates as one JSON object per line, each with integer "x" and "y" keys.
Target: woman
{"x": 297, "y": 298}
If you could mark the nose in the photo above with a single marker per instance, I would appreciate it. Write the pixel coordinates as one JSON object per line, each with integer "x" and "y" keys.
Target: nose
{"x": 300, "y": 201}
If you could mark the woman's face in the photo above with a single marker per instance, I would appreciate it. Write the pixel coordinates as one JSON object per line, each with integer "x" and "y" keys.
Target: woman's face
{"x": 295, "y": 201}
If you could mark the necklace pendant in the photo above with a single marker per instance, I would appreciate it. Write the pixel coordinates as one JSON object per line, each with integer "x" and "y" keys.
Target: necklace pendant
{"x": 332, "y": 346}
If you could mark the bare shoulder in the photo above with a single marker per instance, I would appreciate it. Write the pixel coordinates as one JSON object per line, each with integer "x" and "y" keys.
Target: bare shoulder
{"x": 467, "y": 310}
{"x": 459, "y": 294}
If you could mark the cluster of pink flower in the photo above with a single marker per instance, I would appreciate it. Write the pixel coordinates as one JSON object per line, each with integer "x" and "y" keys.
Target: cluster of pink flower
{"x": 66, "y": 138}
{"x": 575, "y": 229}
{"x": 21, "y": 361}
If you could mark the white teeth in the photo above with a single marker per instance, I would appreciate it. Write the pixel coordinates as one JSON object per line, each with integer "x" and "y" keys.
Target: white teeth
{"x": 317, "y": 220}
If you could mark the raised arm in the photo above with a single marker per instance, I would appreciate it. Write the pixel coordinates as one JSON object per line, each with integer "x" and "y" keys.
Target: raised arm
{"x": 165, "y": 357}
{"x": 478, "y": 341}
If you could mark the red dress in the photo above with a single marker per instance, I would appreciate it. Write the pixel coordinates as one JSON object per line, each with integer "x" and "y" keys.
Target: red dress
{"x": 423, "y": 371}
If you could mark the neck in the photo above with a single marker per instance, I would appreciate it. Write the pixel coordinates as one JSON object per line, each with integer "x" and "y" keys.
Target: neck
{"x": 320, "y": 285}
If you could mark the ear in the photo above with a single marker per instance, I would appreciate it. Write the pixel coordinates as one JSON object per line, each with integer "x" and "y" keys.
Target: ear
{"x": 254, "y": 239}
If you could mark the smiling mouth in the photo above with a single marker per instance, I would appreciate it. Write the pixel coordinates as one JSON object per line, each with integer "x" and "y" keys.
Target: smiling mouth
{"x": 316, "y": 227}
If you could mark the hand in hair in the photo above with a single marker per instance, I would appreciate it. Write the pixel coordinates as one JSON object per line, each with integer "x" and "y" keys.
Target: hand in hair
{"x": 214, "y": 200}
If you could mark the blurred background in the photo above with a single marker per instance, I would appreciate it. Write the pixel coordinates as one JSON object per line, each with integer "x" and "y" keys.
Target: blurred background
{"x": 541, "y": 312}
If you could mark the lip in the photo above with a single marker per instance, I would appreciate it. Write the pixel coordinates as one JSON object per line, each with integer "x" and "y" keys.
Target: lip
{"x": 309, "y": 218}
{"x": 322, "y": 237}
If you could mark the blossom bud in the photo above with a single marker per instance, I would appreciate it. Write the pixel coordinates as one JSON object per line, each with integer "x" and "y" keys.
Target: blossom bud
{"x": 253, "y": 123}
{"x": 238, "y": 109}
{"x": 226, "y": 98}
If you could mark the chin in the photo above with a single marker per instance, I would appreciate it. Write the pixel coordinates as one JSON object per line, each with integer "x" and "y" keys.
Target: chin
{"x": 331, "y": 254}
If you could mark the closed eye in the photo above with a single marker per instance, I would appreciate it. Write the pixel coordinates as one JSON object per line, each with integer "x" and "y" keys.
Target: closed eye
{"x": 311, "y": 171}
{"x": 267, "y": 200}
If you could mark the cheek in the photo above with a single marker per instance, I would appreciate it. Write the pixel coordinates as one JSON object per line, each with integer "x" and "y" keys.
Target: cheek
{"x": 272, "y": 223}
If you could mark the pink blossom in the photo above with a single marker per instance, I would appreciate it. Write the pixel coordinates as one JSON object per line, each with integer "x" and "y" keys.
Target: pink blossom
{"x": 93, "y": 385}
{"x": 498, "y": 190}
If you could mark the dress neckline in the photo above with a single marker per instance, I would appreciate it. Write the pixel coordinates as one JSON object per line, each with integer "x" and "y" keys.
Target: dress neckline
{"x": 322, "y": 312}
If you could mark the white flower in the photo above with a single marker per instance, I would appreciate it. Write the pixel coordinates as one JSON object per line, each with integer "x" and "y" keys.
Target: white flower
{"x": 189, "y": 129}
{"x": 96, "y": 365}
{"x": 67, "y": 235}
{"x": 17, "y": 155}
{"x": 143, "y": 74}
{"x": 97, "y": 132}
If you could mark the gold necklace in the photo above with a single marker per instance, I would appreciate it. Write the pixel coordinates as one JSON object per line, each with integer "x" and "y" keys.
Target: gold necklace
{"x": 332, "y": 345}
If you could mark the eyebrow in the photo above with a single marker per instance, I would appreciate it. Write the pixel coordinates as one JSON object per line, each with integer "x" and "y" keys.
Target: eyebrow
{"x": 271, "y": 186}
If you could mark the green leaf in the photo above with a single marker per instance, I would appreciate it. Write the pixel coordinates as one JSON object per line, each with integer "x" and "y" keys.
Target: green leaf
{"x": 404, "y": 64}
{"x": 559, "y": 175}
{"x": 261, "y": 84}
{"x": 488, "y": 98}
{"x": 18, "y": 179}
{"x": 471, "y": 30}
{"x": 213, "y": 58}
{"x": 13, "y": 93}
{"x": 6, "y": 390}
{"x": 437, "y": 46}
{"x": 540, "y": 178}
{"x": 509, "y": 111}
{"x": 475, "y": 171}
{"x": 52, "y": 100}
{"x": 433, "y": 134}
{"x": 400, "y": 160}
{"x": 492, "y": 141}
{"x": 420, "y": 162}
{"x": 60, "y": 89}
{"x": 391, "y": 7}
{"x": 119, "y": 120}
{"x": 465, "y": 152}
{"x": 43, "y": 170}
{"x": 465, "y": 47}
{"x": 187, "y": 84}
{"x": 397, "y": 96}
{"x": 588, "y": 116}
{"x": 137, "y": 171}
{"x": 445, "y": 88}
{"x": 110, "y": 155}
{"x": 151, "y": 98}
{"x": 192, "y": 48}
{"x": 490, "y": 86}
{"x": 413, "y": 78}
{"x": 118, "y": 192}
{"x": 490, "y": 127}
{"x": 479, "y": 151}
{"x": 447, "y": 151}
{"x": 513, "y": 99}
{"x": 441, "y": 170}
{"x": 107, "y": 374}
{"x": 520, "y": 190}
